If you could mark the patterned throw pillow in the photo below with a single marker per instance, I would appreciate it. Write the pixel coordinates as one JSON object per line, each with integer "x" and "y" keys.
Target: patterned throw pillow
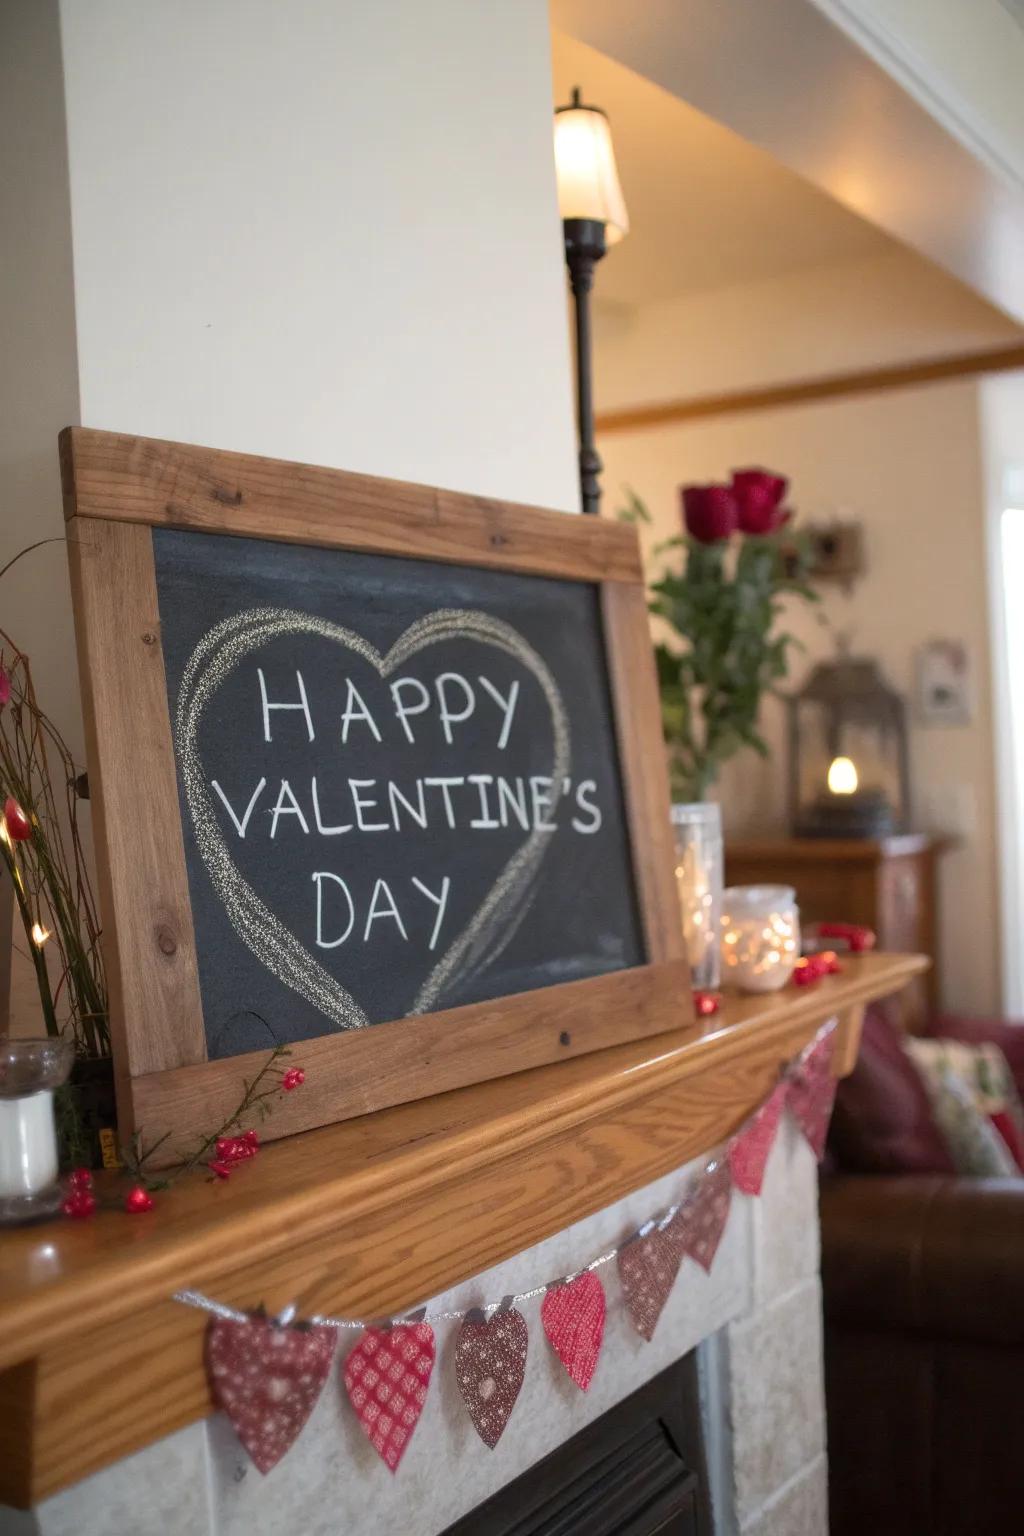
{"x": 975, "y": 1104}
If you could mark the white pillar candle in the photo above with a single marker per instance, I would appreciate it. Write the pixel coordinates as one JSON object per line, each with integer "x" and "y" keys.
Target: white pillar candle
{"x": 28, "y": 1144}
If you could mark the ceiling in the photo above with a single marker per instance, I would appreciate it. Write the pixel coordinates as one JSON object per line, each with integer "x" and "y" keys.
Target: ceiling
{"x": 706, "y": 208}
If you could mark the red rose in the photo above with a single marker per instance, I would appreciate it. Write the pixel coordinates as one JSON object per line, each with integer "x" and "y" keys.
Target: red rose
{"x": 709, "y": 512}
{"x": 759, "y": 497}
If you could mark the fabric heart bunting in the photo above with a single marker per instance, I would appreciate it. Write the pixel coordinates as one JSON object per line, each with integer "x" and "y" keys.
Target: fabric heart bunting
{"x": 750, "y": 1149}
{"x": 490, "y": 1364}
{"x": 812, "y": 1093}
{"x": 648, "y": 1267}
{"x": 696, "y": 1229}
{"x": 386, "y": 1377}
{"x": 267, "y": 1380}
{"x": 573, "y": 1318}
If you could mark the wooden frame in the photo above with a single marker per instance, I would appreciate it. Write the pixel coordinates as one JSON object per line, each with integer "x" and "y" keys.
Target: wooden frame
{"x": 116, "y": 490}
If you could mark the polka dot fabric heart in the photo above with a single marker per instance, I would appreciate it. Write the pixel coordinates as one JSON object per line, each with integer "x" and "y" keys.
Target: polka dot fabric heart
{"x": 490, "y": 1363}
{"x": 648, "y": 1267}
{"x": 812, "y": 1094}
{"x": 267, "y": 1380}
{"x": 750, "y": 1150}
{"x": 386, "y": 1377}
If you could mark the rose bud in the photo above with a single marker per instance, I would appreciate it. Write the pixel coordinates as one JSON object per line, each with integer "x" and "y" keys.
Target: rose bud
{"x": 709, "y": 512}
{"x": 19, "y": 828}
{"x": 759, "y": 497}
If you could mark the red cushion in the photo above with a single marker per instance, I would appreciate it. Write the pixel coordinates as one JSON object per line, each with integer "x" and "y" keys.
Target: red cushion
{"x": 883, "y": 1121}
{"x": 1002, "y": 1032}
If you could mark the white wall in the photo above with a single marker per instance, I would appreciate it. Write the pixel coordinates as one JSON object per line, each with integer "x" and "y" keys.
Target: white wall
{"x": 907, "y": 464}
{"x": 323, "y": 231}
{"x": 800, "y": 325}
{"x": 1003, "y": 450}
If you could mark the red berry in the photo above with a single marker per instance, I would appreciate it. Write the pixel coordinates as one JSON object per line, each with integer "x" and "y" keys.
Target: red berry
{"x": 252, "y": 1139}
{"x": 19, "y": 828}
{"x": 138, "y": 1199}
{"x": 79, "y": 1204}
{"x": 706, "y": 1003}
{"x": 293, "y": 1078}
{"x": 220, "y": 1168}
{"x": 80, "y": 1178}
{"x": 5, "y": 686}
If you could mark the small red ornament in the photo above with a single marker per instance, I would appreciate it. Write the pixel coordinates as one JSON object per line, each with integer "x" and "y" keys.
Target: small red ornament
{"x": 807, "y": 971}
{"x": 80, "y": 1178}
{"x": 293, "y": 1078}
{"x": 138, "y": 1199}
{"x": 235, "y": 1149}
{"x": 386, "y": 1377}
{"x": 830, "y": 962}
{"x": 79, "y": 1204}
{"x": 707, "y": 1003}
{"x": 251, "y": 1139}
{"x": 573, "y": 1318}
{"x": 19, "y": 827}
{"x": 220, "y": 1169}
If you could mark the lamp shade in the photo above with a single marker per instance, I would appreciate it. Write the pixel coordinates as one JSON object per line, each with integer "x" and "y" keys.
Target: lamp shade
{"x": 588, "y": 182}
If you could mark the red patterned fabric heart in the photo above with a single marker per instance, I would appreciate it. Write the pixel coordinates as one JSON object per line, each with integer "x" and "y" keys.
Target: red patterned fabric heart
{"x": 750, "y": 1149}
{"x": 812, "y": 1093}
{"x": 648, "y": 1267}
{"x": 267, "y": 1380}
{"x": 490, "y": 1363}
{"x": 696, "y": 1229}
{"x": 386, "y": 1377}
{"x": 573, "y": 1319}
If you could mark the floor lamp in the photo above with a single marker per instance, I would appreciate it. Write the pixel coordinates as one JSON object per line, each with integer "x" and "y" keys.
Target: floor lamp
{"x": 593, "y": 218}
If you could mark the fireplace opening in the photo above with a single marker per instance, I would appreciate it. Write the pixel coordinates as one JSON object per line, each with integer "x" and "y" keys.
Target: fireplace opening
{"x": 638, "y": 1470}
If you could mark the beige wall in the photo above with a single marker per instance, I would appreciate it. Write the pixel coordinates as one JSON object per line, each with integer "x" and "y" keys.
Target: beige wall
{"x": 908, "y": 465}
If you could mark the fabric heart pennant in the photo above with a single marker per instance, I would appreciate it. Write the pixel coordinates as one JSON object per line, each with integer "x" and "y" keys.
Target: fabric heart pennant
{"x": 750, "y": 1149}
{"x": 490, "y": 1363}
{"x": 697, "y": 1228}
{"x": 386, "y": 1377}
{"x": 573, "y": 1318}
{"x": 267, "y": 1380}
{"x": 648, "y": 1267}
{"x": 812, "y": 1093}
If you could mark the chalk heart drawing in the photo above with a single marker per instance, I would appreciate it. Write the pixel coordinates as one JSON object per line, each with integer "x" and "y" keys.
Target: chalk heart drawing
{"x": 507, "y": 901}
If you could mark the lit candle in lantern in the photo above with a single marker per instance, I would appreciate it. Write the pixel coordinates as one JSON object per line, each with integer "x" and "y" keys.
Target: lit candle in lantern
{"x": 842, "y": 776}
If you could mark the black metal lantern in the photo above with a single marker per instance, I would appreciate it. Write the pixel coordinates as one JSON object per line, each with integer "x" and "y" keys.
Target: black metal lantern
{"x": 848, "y": 759}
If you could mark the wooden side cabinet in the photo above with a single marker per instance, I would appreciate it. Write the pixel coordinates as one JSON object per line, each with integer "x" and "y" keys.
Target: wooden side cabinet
{"x": 889, "y": 885}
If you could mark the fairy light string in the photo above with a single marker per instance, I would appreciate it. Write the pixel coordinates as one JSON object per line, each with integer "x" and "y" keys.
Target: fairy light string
{"x": 193, "y": 1298}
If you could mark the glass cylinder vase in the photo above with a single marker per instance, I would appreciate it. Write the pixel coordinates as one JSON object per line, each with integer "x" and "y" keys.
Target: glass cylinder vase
{"x": 698, "y": 840}
{"x": 30, "y": 1070}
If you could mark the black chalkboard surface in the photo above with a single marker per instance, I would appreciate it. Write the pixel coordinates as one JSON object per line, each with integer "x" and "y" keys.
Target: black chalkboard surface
{"x": 398, "y": 781}
{"x": 378, "y": 777}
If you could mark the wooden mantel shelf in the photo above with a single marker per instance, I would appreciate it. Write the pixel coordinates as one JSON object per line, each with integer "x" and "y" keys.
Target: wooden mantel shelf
{"x": 367, "y": 1218}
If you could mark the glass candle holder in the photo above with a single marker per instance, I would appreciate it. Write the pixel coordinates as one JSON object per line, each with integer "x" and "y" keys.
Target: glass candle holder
{"x": 30, "y": 1070}
{"x": 698, "y": 839}
{"x": 760, "y": 936}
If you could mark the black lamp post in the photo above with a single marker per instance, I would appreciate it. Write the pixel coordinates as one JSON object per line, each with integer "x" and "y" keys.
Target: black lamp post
{"x": 593, "y": 217}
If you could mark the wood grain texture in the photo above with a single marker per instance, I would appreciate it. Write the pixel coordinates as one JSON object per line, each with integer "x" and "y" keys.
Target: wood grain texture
{"x": 114, "y": 488}
{"x": 149, "y": 948}
{"x": 145, "y": 480}
{"x": 634, "y": 686}
{"x": 365, "y": 1218}
{"x": 405, "y": 1059}
{"x": 834, "y": 386}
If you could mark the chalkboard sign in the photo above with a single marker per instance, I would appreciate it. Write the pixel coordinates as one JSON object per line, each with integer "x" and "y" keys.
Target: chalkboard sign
{"x": 378, "y": 774}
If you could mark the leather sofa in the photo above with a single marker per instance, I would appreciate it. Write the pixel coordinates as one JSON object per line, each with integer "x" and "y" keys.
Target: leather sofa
{"x": 923, "y": 1283}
